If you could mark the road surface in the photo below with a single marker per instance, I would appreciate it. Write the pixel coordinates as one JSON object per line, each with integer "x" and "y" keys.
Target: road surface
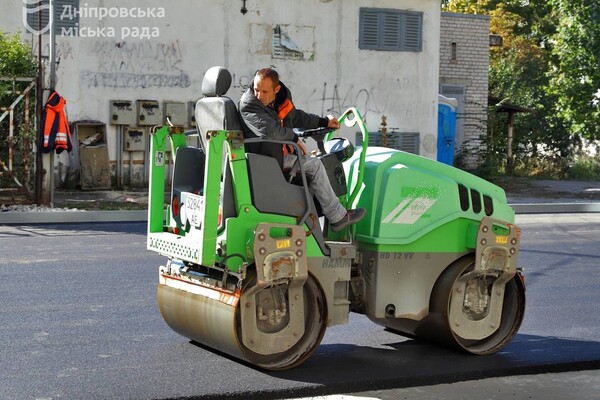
{"x": 79, "y": 320}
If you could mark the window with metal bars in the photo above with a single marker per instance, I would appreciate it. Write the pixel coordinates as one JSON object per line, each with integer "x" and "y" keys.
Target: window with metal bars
{"x": 390, "y": 30}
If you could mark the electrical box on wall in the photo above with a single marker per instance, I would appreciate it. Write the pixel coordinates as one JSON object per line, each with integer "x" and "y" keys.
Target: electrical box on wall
{"x": 148, "y": 113}
{"x": 91, "y": 154}
{"x": 134, "y": 139}
{"x": 176, "y": 112}
{"x": 122, "y": 112}
{"x": 192, "y": 113}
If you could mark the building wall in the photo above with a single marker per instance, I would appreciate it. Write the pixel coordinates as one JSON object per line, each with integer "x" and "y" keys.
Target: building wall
{"x": 468, "y": 69}
{"x": 190, "y": 36}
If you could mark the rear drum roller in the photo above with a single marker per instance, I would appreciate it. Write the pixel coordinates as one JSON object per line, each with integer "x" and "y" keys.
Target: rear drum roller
{"x": 290, "y": 348}
{"x": 472, "y": 311}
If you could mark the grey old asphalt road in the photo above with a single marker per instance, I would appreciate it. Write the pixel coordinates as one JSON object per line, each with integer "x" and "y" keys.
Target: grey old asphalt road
{"x": 79, "y": 321}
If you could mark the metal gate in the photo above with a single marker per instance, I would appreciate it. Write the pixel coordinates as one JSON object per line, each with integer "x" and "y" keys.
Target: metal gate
{"x": 15, "y": 154}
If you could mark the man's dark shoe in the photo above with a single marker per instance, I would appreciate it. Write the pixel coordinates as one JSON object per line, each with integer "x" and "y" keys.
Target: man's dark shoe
{"x": 351, "y": 217}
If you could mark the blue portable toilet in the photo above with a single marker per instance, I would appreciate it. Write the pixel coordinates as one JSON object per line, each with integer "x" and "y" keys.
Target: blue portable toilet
{"x": 446, "y": 129}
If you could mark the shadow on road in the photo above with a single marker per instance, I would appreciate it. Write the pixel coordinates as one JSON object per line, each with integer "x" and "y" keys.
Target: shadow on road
{"x": 345, "y": 368}
{"x": 350, "y": 368}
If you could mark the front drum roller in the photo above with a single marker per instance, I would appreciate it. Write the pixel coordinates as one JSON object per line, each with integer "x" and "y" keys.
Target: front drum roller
{"x": 279, "y": 328}
{"x": 471, "y": 312}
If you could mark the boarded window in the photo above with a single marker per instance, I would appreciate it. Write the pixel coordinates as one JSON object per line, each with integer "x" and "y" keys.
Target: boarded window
{"x": 390, "y": 30}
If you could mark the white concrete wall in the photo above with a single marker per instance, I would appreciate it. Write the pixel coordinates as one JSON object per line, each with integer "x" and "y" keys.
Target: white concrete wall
{"x": 194, "y": 35}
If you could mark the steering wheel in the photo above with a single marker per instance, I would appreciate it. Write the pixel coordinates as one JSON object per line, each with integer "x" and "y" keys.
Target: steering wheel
{"x": 318, "y": 134}
{"x": 314, "y": 132}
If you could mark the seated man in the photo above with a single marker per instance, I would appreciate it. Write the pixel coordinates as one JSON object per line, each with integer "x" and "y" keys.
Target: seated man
{"x": 267, "y": 111}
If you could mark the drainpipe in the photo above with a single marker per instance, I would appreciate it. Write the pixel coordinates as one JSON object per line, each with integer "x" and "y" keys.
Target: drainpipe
{"x": 47, "y": 184}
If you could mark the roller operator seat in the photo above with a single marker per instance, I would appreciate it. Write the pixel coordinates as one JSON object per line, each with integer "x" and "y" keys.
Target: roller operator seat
{"x": 215, "y": 111}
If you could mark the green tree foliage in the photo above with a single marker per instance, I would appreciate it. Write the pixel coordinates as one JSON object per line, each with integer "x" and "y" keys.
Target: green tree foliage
{"x": 15, "y": 57}
{"x": 466, "y": 6}
{"x": 550, "y": 64}
{"x": 519, "y": 75}
{"x": 15, "y": 61}
{"x": 575, "y": 76}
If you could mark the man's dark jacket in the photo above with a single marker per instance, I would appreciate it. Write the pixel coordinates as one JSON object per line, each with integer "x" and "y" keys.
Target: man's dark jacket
{"x": 263, "y": 121}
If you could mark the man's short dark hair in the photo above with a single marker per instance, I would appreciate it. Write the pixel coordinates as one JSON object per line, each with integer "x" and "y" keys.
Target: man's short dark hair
{"x": 269, "y": 73}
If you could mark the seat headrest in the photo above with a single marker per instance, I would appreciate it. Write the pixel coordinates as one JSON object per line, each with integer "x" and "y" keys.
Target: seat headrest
{"x": 216, "y": 82}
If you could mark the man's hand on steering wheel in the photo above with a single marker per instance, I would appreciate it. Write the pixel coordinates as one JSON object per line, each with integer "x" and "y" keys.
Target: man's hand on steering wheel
{"x": 318, "y": 134}
{"x": 333, "y": 122}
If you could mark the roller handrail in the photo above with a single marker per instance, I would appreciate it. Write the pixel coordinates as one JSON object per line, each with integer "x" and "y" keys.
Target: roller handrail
{"x": 350, "y": 118}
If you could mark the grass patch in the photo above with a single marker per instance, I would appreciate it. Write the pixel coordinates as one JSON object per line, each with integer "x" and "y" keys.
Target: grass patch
{"x": 584, "y": 169}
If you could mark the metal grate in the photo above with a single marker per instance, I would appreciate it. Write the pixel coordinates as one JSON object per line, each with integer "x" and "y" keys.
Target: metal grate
{"x": 176, "y": 246}
{"x": 390, "y": 30}
{"x": 17, "y": 152}
{"x": 405, "y": 141}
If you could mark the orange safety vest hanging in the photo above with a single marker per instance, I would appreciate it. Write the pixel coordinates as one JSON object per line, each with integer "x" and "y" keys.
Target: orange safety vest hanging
{"x": 56, "y": 132}
{"x": 283, "y": 110}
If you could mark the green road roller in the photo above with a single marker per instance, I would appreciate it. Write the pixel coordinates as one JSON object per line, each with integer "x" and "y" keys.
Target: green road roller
{"x": 253, "y": 270}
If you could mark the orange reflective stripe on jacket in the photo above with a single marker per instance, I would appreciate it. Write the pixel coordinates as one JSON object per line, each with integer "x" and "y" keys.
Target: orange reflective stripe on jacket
{"x": 283, "y": 110}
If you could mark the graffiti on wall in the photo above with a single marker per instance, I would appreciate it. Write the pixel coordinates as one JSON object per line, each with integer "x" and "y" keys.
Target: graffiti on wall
{"x": 64, "y": 51}
{"x": 136, "y": 64}
{"x": 334, "y": 99}
{"x": 241, "y": 81}
{"x": 331, "y": 99}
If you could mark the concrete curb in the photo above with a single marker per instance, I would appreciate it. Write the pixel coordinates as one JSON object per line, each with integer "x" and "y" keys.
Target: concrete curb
{"x": 555, "y": 208}
{"x": 58, "y": 217}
